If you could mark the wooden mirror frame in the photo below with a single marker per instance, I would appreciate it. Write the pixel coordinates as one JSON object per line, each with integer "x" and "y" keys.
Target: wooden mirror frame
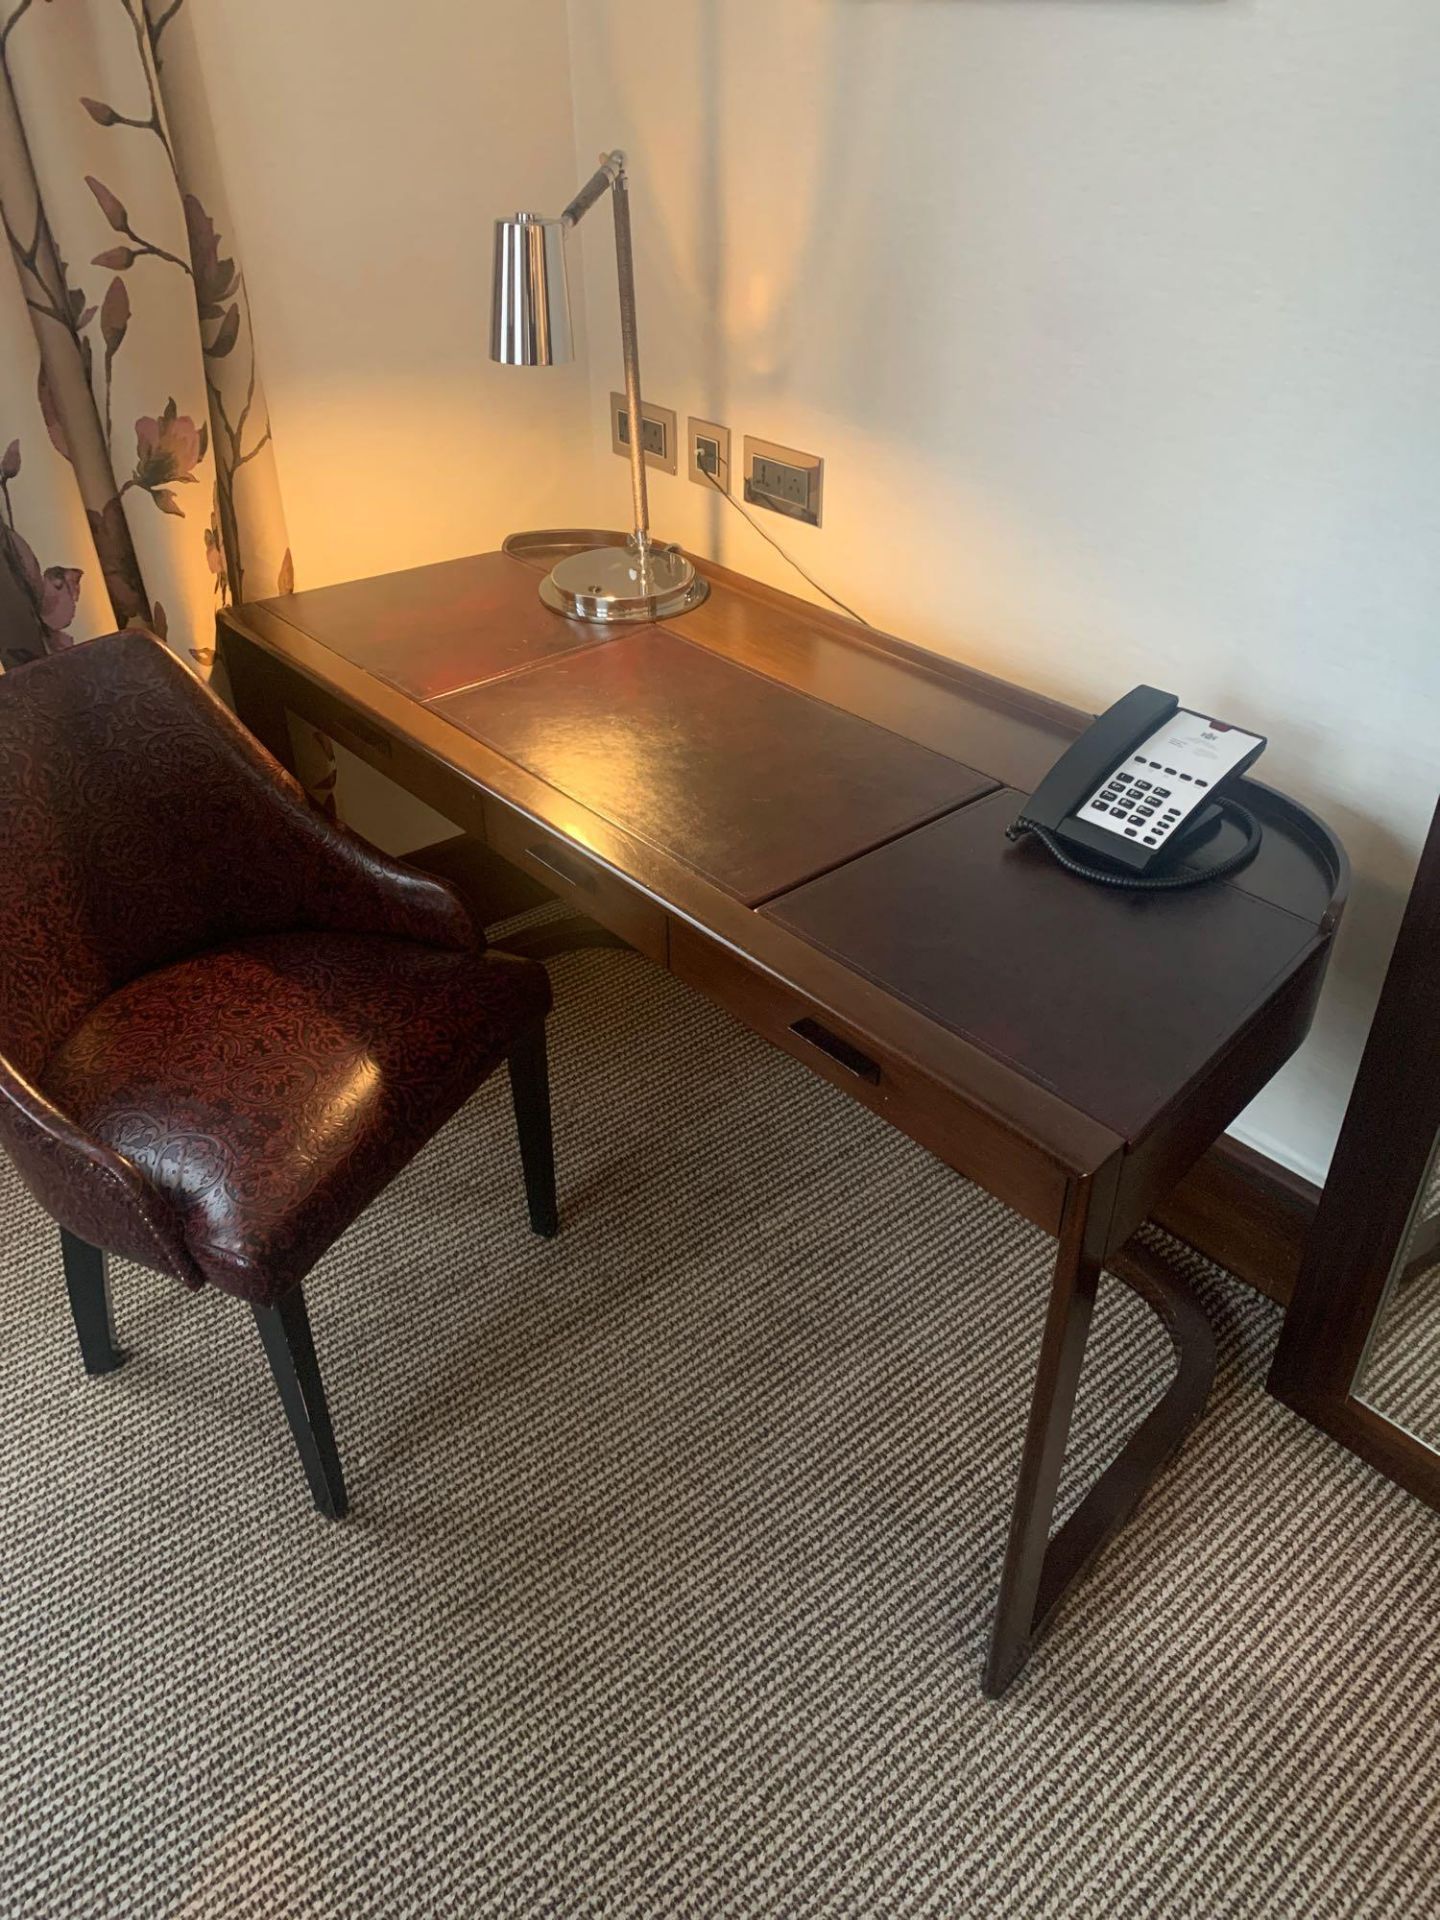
{"x": 1391, "y": 1125}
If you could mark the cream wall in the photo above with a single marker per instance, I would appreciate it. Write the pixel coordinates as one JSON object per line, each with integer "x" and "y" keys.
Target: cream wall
{"x": 367, "y": 149}
{"x": 1118, "y": 325}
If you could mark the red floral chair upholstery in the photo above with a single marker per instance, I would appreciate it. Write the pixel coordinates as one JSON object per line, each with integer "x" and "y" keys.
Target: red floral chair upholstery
{"x": 225, "y": 1024}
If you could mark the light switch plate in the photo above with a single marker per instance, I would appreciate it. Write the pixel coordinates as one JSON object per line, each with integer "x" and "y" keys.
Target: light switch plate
{"x": 700, "y": 437}
{"x": 784, "y": 479}
{"x": 660, "y": 426}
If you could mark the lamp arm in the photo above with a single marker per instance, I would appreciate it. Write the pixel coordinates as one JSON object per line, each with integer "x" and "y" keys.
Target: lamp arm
{"x": 611, "y": 169}
{"x": 610, "y": 174}
{"x": 630, "y": 348}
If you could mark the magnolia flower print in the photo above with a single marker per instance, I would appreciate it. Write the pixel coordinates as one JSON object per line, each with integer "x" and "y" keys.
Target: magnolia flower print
{"x": 230, "y": 427}
{"x": 169, "y": 448}
{"x": 57, "y": 590}
{"x": 167, "y": 452}
{"x": 215, "y": 276}
{"x": 215, "y": 552}
{"x": 52, "y": 592}
{"x": 118, "y": 563}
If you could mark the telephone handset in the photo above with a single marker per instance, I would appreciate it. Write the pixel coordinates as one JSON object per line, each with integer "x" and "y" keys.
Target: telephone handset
{"x": 1142, "y": 789}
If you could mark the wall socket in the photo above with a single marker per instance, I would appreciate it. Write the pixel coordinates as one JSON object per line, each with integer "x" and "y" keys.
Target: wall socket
{"x": 784, "y": 479}
{"x": 708, "y": 454}
{"x": 657, "y": 436}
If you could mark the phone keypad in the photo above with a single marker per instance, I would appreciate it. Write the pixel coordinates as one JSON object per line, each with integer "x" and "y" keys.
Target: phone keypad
{"x": 1143, "y": 808}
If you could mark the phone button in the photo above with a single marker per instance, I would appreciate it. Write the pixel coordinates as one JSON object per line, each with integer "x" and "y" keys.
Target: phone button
{"x": 1132, "y": 832}
{"x": 1100, "y": 806}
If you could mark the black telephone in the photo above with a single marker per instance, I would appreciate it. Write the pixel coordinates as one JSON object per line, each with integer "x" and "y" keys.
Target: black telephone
{"x": 1144, "y": 788}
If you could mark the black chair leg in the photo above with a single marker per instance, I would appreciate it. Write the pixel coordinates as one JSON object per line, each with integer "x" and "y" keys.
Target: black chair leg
{"x": 88, "y": 1284}
{"x": 530, "y": 1091}
{"x": 285, "y": 1332}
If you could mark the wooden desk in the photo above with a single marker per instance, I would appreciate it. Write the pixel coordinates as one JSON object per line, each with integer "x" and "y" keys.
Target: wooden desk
{"x": 805, "y": 820}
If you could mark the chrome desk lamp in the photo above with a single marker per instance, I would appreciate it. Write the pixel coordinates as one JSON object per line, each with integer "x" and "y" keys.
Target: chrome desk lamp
{"x": 530, "y": 327}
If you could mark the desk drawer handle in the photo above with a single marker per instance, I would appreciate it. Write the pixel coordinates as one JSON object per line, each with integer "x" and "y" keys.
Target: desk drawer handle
{"x": 840, "y": 1051}
{"x": 561, "y": 868}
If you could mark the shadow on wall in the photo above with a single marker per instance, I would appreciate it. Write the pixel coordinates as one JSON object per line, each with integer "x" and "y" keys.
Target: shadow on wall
{"x": 807, "y": 246}
{"x": 839, "y": 233}
{"x": 1082, "y": 299}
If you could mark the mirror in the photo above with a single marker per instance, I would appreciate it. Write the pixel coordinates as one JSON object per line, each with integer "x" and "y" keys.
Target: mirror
{"x": 1399, "y": 1372}
{"x": 1359, "y": 1353}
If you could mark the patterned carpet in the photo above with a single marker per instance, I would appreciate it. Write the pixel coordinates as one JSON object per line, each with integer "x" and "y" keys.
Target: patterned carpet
{"x": 671, "y": 1559}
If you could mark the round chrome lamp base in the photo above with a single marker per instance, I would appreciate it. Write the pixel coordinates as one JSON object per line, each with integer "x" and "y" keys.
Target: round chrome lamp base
{"x": 617, "y": 583}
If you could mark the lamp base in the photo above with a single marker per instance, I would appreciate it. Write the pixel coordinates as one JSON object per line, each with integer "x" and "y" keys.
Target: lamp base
{"x": 617, "y": 583}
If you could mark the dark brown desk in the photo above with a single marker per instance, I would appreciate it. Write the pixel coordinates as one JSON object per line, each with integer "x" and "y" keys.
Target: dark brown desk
{"x": 805, "y": 820}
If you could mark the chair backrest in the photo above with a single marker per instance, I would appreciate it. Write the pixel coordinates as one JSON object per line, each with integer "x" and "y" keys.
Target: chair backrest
{"x": 102, "y": 753}
{"x": 106, "y": 804}
{"x": 140, "y": 823}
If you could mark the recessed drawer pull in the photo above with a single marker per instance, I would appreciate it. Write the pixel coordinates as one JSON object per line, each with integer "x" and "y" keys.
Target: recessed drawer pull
{"x": 561, "y": 868}
{"x": 354, "y": 733}
{"x": 840, "y": 1051}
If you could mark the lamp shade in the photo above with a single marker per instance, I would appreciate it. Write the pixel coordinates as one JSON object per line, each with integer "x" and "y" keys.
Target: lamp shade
{"x": 530, "y": 297}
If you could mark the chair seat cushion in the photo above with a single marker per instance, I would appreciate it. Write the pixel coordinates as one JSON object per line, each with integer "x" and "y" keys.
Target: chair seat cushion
{"x": 271, "y": 1088}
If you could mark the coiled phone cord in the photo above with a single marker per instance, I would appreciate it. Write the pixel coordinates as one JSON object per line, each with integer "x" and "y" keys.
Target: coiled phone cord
{"x": 1147, "y": 883}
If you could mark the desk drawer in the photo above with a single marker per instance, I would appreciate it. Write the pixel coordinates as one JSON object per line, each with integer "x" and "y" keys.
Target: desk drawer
{"x": 568, "y": 871}
{"x": 786, "y": 1018}
{"x": 933, "y": 1114}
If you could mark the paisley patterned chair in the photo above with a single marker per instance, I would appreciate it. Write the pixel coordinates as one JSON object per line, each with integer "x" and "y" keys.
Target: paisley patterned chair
{"x": 225, "y": 1024}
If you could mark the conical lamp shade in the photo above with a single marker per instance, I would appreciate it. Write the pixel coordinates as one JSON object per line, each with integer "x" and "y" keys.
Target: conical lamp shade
{"x": 530, "y": 297}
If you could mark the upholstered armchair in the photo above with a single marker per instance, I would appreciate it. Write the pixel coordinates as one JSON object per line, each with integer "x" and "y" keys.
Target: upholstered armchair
{"x": 225, "y": 1023}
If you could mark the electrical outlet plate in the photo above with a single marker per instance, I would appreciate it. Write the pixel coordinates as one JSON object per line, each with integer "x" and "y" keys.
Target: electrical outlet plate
{"x": 660, "y": 429}
{"x": 704, "y": 440}
{"x": 783, "y": 479}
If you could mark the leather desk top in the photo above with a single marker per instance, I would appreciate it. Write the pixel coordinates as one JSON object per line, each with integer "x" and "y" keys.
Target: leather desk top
{"x": 431, "y": 630}
{"x": 1137, "y": 993}
{"x": 747, "y": 782}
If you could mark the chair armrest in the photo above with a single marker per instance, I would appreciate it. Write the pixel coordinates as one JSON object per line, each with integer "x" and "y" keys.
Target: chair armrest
{"x": 85, "y": 1187}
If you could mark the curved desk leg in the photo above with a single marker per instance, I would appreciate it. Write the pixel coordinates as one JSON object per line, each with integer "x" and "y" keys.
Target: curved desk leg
{"x": 560, "y": 936}
{"x": 1039, "y": 1571}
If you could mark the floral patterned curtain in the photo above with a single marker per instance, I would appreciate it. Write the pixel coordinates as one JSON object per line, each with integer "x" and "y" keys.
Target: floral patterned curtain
{"x": 137, "y": 480}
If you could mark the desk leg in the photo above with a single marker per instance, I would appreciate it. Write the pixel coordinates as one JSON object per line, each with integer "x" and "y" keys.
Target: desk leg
{"x": 1039, "y": 1571}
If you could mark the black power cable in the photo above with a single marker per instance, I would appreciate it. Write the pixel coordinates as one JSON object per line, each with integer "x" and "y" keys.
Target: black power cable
{"x": 755, "y": 527}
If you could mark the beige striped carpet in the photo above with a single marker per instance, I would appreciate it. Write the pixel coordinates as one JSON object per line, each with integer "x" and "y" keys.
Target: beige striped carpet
{"x": 672, "y": 1554}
